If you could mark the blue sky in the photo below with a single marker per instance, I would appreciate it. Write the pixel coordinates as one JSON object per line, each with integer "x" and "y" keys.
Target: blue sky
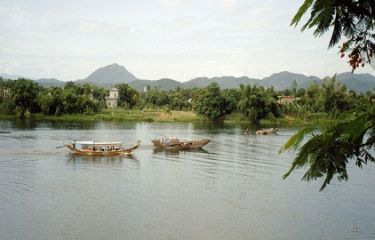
{"x": 179, "y": 39}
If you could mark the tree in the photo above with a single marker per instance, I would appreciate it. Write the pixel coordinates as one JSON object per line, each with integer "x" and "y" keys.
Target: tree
{"x": 6, "y": 103}
{"x": 209, "y": 102}
{"x": 232, "y": 97}
{"x": 327, "y": 154}
{"x": 329, "y": 149}
{"x": 355, "y": 20}
{"x": 24, "y": 96}
{"x": 333, "y": 97}
{"x": 156, "y": 97}
{"x": 50, "y": 101}
{"x": 256, "y": 104}
{"x": 181, "y": 99}
{"x": 129, "y": 97}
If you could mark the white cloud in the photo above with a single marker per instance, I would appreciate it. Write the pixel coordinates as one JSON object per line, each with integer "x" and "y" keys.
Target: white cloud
{"x": 170, "y": 3}
{"x": 228, "y": 3}
{"x": 180, "y": 39}
{"x": 92, "y": 28}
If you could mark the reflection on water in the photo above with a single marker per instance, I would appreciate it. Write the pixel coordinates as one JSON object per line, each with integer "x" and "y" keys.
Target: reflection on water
{"x": 230, "y": 189}
{"x": 177, "y": 152}
{"x": 77, "y": 159}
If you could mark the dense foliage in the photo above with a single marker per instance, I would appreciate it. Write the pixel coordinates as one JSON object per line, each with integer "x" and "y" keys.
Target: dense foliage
{"x": 249, "y": 103}
{"x": 129, "y": 97}
{"x": 328, "y": 150}
{"x": 23, "y": 97}
{"x": 354, "y": 20}
{"x": 210, "y": 102}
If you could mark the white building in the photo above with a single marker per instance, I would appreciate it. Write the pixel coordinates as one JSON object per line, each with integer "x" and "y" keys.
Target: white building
{"x": 111, "y": 101}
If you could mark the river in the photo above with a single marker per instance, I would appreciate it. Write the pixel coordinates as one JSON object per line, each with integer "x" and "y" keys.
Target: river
{"x": 231, "y": 189}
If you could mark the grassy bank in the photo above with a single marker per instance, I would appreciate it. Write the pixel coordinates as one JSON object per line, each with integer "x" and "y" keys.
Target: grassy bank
{"x": 286, "y": 120}
{"x": 150, "y": 115}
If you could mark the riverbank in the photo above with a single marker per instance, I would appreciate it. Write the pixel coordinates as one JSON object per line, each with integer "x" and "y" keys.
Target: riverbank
{"x": 147, "y": 115}
{"x": 151, "y": 115}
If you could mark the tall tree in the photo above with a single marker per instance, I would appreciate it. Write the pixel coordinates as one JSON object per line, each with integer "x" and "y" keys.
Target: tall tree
{"x": 129, "y": 97}
{"x": 209, "y": 102}
{"x": 24, "y": 95}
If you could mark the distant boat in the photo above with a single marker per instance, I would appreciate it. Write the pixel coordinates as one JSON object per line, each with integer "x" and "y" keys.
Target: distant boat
{"x": 173, "y": 143}
{"x": 91, "y": 148}
{"x": 267, "y": 131}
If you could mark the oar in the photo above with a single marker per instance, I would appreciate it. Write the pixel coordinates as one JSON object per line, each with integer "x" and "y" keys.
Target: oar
{"x": 4, "y": 132}
{"x": 60, "y": 147}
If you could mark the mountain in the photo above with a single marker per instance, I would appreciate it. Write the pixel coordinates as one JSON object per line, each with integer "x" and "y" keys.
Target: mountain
{"x": 164, "y": 84}
{"x": 284, "y": 80}
{"x": 224, "y": 82}
{"x": 109, "y": 76}
{"x": 50, "y": 82}
{"x": 113, "y": 74}
{"x": 357, "y": 82}
{"x": 10, "y": 76}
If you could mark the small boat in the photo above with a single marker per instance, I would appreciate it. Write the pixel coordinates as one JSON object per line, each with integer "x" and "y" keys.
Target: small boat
{"x": 91, "y": 148}
{"x": 267, "y": 131}
{"x": 173, "y": 143}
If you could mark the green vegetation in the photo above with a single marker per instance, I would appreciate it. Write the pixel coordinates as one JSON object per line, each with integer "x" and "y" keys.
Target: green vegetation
{"x": 329, "y": 149}
{"x": 25, "y": 99}
{"x": 353, "y": 20}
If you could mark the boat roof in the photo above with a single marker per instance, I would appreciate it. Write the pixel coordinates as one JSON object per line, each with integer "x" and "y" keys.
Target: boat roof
{"x": 97, "y": 143}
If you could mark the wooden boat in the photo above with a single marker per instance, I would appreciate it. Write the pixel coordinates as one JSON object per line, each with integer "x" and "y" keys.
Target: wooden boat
{"x": 91, "y": 148}
{"x": 267, "y": 131}
{"x": 173, "y": 143}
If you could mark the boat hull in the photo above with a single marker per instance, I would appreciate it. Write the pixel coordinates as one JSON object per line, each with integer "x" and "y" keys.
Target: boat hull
{"x": 102, "y": 153}
{"x": 185, "y": 145}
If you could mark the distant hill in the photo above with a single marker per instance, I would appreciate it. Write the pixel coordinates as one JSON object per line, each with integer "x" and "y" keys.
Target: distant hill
{"x": 113, "y": 74}
{"x": 50, "y": 82}
{"x": 109, "y": 76}
{"x": 10, "y": 76}
{"x": 164, "y": 84}
{"x": 357, "y": 82}
{"x": 284, "y": 80}
{"x": 224, "y": 82}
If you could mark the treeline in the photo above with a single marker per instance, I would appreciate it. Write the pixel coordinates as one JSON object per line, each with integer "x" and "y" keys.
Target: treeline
{"x": 24, "y": 97}
{"x": 331, "y": 98}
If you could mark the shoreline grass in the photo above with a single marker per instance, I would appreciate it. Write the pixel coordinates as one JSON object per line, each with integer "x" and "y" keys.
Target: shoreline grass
{"x": 158, "y": 115}
{"x": 146, "y": 115}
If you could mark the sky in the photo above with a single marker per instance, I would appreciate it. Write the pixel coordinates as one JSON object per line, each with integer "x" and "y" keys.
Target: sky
{"x": 178, "y": 39}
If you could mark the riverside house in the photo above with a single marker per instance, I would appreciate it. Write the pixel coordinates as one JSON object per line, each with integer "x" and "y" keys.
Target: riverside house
{"x": 286, "y": 99}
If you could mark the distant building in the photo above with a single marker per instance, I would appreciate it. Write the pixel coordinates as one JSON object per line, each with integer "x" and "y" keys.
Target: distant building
{"x": 286, "y": 99}
{"x": 146, "y": 88}
{"x": 4, "y": 93}
{"x": 111, "y": 101}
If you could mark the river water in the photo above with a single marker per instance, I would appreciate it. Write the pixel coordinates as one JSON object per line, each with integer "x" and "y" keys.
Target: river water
{"x": 232, "y": 189}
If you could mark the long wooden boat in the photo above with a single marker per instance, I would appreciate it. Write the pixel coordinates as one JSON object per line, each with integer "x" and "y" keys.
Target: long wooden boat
{"x": 176, "y": 144}
{"x": 91, "y": 148}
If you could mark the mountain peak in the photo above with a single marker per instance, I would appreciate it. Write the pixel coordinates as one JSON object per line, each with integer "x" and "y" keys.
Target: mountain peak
{"x": 110, "y": 75}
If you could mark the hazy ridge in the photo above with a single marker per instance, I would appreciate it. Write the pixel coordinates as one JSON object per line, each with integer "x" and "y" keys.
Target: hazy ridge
{"x": 109, "y": 76}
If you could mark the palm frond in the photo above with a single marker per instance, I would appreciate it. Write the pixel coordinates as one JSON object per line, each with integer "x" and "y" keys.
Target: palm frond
{"x": 296, "y": 139}
{"x": 337, "y": 31}
{"x": 301, "y": 11}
